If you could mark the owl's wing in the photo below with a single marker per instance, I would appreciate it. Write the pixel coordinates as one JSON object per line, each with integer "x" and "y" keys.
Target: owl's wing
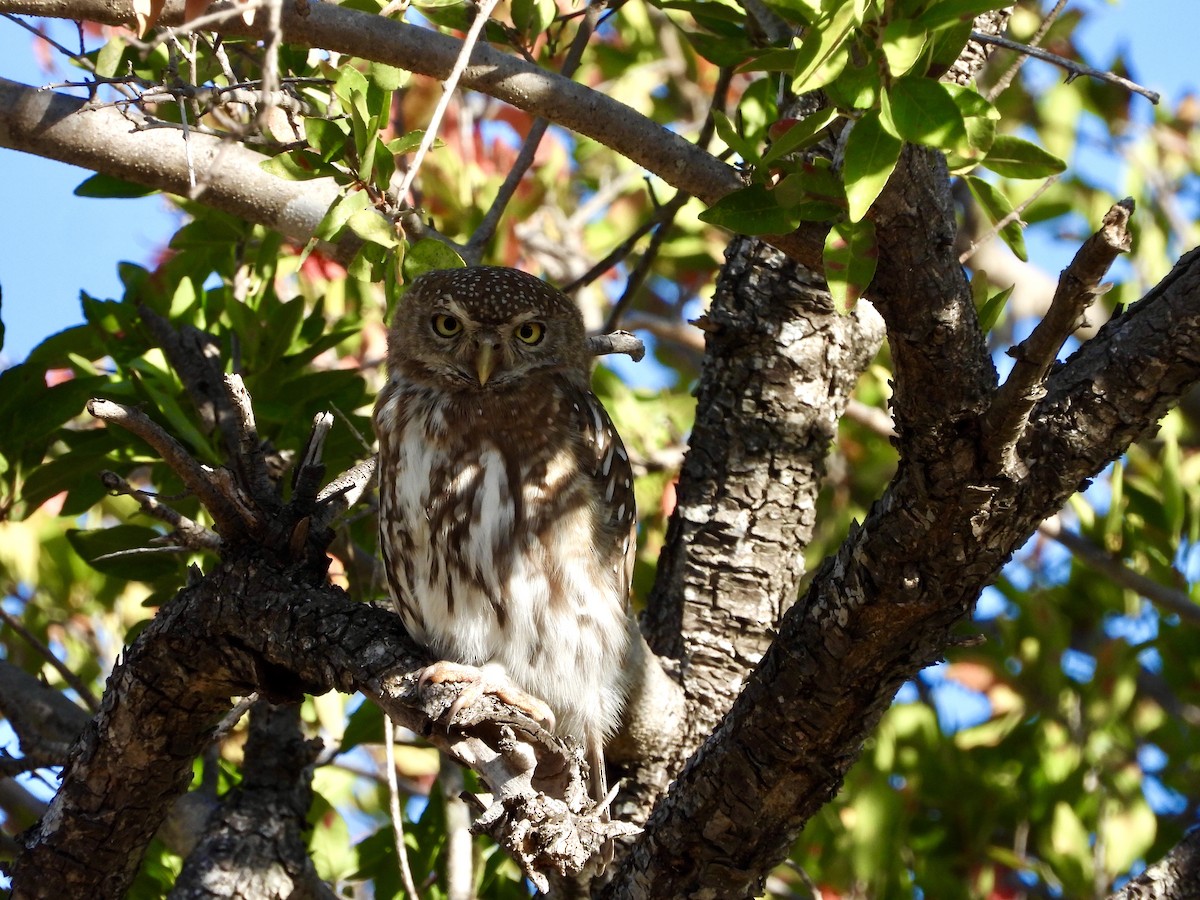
{"x": 602, "y": 456}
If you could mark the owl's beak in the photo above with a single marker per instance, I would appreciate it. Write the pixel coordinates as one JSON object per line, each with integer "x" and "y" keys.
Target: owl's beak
{"x": 485, "y": 362}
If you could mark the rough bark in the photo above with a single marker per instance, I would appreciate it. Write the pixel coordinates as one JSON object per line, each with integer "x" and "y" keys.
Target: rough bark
{"x": 1175, "y": 877}
{"x": 254, "y": 846}
{"x": 886, "y": 604}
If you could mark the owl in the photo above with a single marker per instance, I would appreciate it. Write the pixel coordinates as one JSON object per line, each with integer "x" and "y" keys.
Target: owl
{"x": 506, "y": 507}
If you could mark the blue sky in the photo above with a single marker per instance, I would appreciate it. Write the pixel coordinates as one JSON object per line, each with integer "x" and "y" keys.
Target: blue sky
{"x": 40, "y": 218}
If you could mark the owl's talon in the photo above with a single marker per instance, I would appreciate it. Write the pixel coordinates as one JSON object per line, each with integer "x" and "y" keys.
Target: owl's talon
{"x": 484, "y": 680}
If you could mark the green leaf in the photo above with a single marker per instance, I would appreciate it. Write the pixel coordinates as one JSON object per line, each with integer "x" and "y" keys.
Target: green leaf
{"x": 108, "y": 186}
{"x": 339, "y": 214}
{"x": 924, "y": 113}
{"x": 327, "y": 137}
{"x": 997, "y": 207}
{"x": 858, "y": 86}
{"x": 1128, "y": 836}
{"x": 851, "y": 254}
{"x": 727, "y": 52}
{"x": 870, "y": 158}
{"x": 409, "y": 142}
{"x": 990, "y": 311}
{"x": 298, "y": 165}
{"x": 385, "y": 77}
{"x": 797, "y": 135}
{"x": 752, "y": 210}
{"x": 819, "y": 48}
{"x": 429, "y": 254}
{"x": 728, "y": 132}
{"x": 364, "y": 727}
{"x": 370, "y": 225}
{"x": 108, "y": 60}
{"x": 903, "y": 43}
{"x": 1013, "y": 157}
{"x": 143, "y": 563}
{"x": 944, "y": 12}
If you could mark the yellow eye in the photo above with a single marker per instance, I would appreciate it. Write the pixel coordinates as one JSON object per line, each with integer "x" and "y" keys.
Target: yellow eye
{"x": 446, "y": 326}
{"x": 531, "y": 332}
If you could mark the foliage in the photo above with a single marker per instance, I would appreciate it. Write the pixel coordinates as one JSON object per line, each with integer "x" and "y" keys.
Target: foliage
{"x": 1082, "y": 760}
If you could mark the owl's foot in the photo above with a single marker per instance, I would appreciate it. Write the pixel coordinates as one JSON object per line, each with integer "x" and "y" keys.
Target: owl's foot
{"x": 487, "y": 679}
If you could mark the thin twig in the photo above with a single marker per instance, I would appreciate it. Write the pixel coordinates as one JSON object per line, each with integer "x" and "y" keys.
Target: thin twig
{"x": 487, "y": 228}
{"x": 1078, "y": 286}
{"x": 642, "y": 270}
{"x": 46, "y": 653}
{"x": 246, "y": 446}
{"x": 187, "y": 533}
{"x": 1003, "y": 223}
{"x": 663, "y": 215}
{"x": 435, "y": 121}
{"x": 343, "y": 492}
{"x": 394, "y": 809}
{"x": 1073, "y": 69}
{"x": 199, "y": 480}
{"x": 1165, "y": 598}
{"x": 270, "y": 66}
{"x": 1005, "y": 80}
{"x": 203, "y": 23}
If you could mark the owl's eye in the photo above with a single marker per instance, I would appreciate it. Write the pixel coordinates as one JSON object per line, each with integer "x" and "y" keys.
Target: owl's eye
{"x": 531, "y": 332}
{"x": 446, "y": 326}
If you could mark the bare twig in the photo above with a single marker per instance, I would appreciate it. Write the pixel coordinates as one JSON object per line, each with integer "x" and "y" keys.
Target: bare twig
{"x": 206, "y": 21}
{"x": 1005, "y": 80}
{"x": 343, "y": 492}
{"x": 246, "y": 446}
{"x": 460, "y": 64}
{"x": 187, "y": 533}
{"x": 270, "y": 67}
{"x": 487, "y": 228}
{"x": 46, "y": 653}
{"x": 1073, "y": 69}
{"x": 642, "y": 270}
{"x": 197, "y": 478}
{"x": 389, "y": 746}
{"x": 1013, "y": 216}
{"x": 1078, "y": 286}
{"x": 1160, "y": 595}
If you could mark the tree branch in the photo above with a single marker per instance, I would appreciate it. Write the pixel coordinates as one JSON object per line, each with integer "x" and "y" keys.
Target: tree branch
{"x": 1078, "y": 286}
{"x": 673, "y": 158}
{"x": 251, "y": 626}
{"x": 1074, "y": 69}
{"x": 883, "y": 607}
{"x": 60, "y": 127}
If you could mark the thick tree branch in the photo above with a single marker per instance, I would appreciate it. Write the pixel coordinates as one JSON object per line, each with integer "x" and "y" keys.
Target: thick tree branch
{"x": 251, "y": 626}
{"x": 254, "y": 846}
{"x": 59, "y": 127}
{"x": 1174, "y": 877}
{"x": 676, "y": 160}
{"x": 885, "y": 605}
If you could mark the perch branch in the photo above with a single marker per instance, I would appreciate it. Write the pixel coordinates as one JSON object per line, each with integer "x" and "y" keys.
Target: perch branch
{"x": 1079, "y": 284}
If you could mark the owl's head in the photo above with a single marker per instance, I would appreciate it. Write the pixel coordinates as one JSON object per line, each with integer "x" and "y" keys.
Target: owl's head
{"x": 485, "y": 328}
